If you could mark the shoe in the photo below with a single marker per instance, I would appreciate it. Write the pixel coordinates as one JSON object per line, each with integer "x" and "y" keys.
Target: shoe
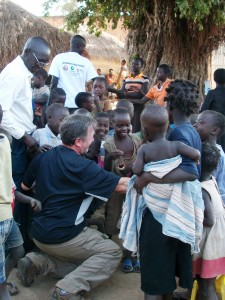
{"x": 127, "y": 266}
{"x": 27, "y": 271}
{"x": 60, "y": 294}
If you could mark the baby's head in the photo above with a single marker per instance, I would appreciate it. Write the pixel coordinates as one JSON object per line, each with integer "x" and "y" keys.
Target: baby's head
{"x": 209, "y": 158}
{"x": 84, "y": 100}
{"x": 210, "y": 125}
{"x": 99, "y": 87}
{"x": 102, "y": 127}
{"x": 154, "y": 122}
{"x": 57, "y": 95}
{"x": 55, "y": 114}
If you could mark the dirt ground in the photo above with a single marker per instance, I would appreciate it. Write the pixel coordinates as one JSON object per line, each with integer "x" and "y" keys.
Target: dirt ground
{"x": 120, "y": 286}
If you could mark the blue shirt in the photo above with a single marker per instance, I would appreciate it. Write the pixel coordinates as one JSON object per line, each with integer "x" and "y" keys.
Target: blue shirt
{"x": 65, "y": 184}
{"x": 187, "y": 134}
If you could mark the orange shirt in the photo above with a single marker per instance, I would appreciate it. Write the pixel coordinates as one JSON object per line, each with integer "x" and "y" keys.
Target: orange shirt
{"x": 158, "y": 93}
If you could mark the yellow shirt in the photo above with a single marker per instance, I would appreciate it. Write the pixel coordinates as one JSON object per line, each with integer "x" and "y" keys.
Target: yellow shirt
{"x": 6, "y": 196}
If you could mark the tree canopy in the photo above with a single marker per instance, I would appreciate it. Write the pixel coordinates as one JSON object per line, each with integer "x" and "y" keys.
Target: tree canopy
{"x": 181, "y": 33}
{"x": 101, "y": 12}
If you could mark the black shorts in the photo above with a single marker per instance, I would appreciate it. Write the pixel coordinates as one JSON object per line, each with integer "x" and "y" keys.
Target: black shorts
{"x": 162, "y": 258}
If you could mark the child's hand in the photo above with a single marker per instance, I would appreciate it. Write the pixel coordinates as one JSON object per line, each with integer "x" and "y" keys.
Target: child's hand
{"x": 116, "y": 154}
{"x": 35, "y": 205}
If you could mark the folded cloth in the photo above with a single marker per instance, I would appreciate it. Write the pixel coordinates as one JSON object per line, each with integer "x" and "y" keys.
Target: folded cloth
{"x": 179, "y": 207}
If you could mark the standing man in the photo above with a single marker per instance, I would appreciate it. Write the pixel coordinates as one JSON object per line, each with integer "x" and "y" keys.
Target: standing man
{"x": 16, "y": 101}
{"x": 70, "y": 71}
{"x": 82, "y": 257}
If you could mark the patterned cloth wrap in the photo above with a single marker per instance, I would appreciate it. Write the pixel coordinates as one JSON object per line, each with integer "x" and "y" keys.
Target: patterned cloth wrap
{"x": 179, "y": 207}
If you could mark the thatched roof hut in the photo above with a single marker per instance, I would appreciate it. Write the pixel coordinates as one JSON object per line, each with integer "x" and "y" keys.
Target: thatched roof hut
{"x": 17, "y": 25}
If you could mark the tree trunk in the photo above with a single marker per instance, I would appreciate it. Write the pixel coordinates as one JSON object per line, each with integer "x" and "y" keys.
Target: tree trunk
{"x": 161, "y": 38}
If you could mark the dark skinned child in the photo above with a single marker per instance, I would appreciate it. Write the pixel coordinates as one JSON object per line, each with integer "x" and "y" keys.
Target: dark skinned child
{"x": 120, "y": 154}
{"x": 99, "y": 91}
{"x": 11, "y": 238}
{"x": 209, "y": 262}
{"x": 211, "y": 125}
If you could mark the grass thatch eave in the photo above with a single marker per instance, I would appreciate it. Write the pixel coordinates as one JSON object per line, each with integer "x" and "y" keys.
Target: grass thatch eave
{"x": 17, "y": 25}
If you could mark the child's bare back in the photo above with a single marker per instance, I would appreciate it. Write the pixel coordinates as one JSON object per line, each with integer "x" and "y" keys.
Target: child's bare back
{"x": 161, "y": 149}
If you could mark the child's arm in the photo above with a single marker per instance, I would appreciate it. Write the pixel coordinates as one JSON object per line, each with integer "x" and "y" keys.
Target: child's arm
{"x": 208, "y": 213}
{"x": 139, "y": 162}
{"x": 177, "y": 175}
{"x": 97, "y": 104}
{"x": 35, "y": 204}
{"x": 188, "y": 151}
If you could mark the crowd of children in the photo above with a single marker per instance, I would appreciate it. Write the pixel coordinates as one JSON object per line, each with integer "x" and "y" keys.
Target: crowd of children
{"x": 176, "y": 223}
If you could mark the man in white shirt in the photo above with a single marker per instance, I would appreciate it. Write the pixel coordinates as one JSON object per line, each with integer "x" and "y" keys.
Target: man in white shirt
{"x": 16, "y": 101}
{"x": 70, "y": 71}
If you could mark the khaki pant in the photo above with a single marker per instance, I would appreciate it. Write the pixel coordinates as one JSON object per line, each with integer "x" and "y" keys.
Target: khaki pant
{"x": 83, "y": 262}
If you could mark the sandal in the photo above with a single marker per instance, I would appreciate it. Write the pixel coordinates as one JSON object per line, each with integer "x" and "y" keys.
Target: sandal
{"x": 12, "y": 288}
{"x": 127, "y": 266}
{"x": 137, "y": 267}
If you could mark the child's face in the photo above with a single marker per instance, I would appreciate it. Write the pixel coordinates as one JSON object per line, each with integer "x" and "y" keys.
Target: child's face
{"x": 102, "y": 127}
{"x": 153, "y": 127}
{"x": 205, "y": 126}
{"x": 161, "y": 75}
{"x": 61, "y": 99}
{"x": 89, "y": 104}
{"x": 55, "y": 120}
{"x": 37, "y": 82}
{"x": 99, "y": 88}
{"x": 122, "y": 125}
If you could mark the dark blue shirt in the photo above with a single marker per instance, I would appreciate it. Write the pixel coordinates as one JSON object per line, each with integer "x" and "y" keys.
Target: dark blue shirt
{"x": 187, "y": 134}
{"x": 65, "y": 184}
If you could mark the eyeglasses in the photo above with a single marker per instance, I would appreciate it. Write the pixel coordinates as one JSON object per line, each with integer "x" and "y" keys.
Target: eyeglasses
{"x": 40, "y": 63}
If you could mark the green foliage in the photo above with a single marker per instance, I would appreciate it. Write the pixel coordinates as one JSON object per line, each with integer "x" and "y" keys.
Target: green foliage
{"x": 132, "y": 12}
{"x": 200, "y": 10}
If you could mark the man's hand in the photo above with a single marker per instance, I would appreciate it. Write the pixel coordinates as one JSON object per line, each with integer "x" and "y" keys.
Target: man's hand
{"x": 44, "y": 148}
{"x": 30, "y": 142}
{"x": 35, "y": 205}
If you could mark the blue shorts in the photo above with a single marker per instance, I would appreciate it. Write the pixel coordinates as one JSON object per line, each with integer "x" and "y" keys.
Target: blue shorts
{"x": 10, "y": 237}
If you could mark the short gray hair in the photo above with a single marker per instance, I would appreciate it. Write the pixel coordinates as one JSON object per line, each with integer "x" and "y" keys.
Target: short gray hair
{"x": 75, "y": 126}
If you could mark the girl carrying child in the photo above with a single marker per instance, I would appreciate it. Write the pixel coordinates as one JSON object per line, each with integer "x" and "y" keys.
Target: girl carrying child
{"x": 210, "y": 261}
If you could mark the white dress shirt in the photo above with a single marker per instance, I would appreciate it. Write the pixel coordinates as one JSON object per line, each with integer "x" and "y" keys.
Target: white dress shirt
{"x": 16, "y": 99}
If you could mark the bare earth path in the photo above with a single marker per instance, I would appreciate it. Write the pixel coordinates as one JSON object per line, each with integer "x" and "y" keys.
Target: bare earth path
{"x": 120, "y": 286}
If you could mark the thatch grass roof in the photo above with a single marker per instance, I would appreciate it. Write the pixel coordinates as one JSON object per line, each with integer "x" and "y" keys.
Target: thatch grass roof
{"x": 17, "y": 25}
